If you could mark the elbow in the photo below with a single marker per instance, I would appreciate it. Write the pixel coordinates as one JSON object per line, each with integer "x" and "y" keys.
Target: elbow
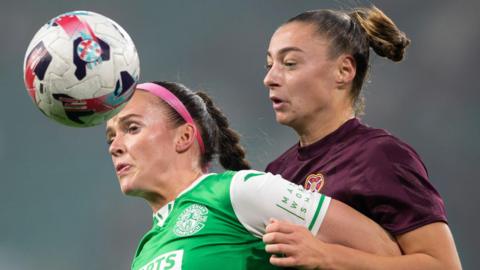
{"x": 386, "y": 244}
{"x": 388, "y": 247}
{"x": 391, "y": 249}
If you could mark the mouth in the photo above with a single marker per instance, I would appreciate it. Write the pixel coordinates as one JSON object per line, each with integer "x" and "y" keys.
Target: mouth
{"x": 277, "y": 102}
{"x": 122, "y": 168}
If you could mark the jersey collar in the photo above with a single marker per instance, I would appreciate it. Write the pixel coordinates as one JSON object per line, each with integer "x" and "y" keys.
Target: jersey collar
{"x": 161, "y": 215}
{"x": 321, "y": 146}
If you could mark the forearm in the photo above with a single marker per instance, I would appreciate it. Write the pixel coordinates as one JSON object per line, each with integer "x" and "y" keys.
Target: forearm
{"x": 346, "y": 227}
{"x": 345, "y": 258}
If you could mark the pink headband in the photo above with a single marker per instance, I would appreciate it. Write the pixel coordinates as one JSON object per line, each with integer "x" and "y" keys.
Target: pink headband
{"x": 175, "y": 103}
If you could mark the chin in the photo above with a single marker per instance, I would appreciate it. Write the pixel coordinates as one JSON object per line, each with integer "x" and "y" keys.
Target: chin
{"x": 133, "y": 192}
{"x": 127, "y": 190}
{"x": 283, "y": 120}
{"x": 132, "y": 188}
{"x": 127, "y": 187}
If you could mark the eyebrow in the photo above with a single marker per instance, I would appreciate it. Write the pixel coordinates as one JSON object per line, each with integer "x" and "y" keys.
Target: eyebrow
{"x": 286, "y": 50}
{"x": 121, "y": 120}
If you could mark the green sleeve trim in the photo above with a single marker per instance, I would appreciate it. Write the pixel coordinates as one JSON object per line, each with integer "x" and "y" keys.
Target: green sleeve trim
{"x": 315, "y": 216}
{"x": 250, "y": 175}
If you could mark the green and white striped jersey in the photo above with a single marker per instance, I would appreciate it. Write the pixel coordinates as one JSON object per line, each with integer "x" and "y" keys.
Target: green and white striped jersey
{"x": 218, "y": 222}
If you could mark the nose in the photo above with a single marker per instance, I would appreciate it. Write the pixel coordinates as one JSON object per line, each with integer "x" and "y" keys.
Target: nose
{"x": 272, "y": 78}
{"x": 117, "y": 147}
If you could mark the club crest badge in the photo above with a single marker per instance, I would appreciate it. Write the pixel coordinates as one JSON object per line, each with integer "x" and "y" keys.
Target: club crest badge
{"x": 191, "y": 220}
{"x": 314, "y": 182}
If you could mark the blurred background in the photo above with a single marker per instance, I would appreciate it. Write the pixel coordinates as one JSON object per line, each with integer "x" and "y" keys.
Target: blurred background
{"x": 60, "y": 204}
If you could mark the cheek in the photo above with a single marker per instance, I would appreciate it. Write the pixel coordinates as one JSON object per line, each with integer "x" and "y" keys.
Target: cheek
{"x": 314, "y": 86}
{"x": 139, "y": 149}
{"x": 305, "y": 92}
{"x": 152, "y": 151}
{"x": 309, "y": 99}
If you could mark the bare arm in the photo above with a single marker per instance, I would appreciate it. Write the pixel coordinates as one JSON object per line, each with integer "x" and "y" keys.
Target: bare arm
{"x": 345, "y": 226}
{"x": 345, "y": 242}
{"x": 342, "y": 227}
{"x": 428, "y": 247}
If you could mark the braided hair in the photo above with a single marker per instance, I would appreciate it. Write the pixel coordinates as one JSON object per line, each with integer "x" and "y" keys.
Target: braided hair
{"x": 218, "y": 138}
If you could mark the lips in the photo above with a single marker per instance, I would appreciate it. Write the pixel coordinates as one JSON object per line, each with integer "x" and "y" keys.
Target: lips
{"x": 122, "y": 168}
{"x": 277, "y": 102}
{"x": 275, "y": 99}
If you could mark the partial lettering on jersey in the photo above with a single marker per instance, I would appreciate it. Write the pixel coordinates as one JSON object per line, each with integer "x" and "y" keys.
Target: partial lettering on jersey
{"x": 294, "y": 200}
{"x": 257, "y": 197}
{"x": 167, "y": 261}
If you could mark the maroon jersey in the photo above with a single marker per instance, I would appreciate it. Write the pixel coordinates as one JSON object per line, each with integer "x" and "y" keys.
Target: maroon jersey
{"x": 370, "y": 170}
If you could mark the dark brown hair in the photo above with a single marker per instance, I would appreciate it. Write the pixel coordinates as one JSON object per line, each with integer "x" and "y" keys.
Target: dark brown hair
{"x": 218, "y": 138}
{"x": 354, "y": 33}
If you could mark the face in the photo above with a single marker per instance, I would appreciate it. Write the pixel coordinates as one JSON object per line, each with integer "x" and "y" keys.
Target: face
{"x": 301, "y": 76}
{"x": 141, "y": 144}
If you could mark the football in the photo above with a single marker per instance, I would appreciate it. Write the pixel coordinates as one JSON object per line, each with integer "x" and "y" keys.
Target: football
{"x": 81, "y": 68}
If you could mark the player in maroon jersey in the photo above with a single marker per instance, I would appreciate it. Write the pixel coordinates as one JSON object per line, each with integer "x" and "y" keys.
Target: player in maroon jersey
{"x": 317, "y": 62}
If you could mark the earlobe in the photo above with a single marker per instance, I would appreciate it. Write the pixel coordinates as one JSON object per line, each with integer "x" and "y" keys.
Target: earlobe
{"x": 185, "y": 138}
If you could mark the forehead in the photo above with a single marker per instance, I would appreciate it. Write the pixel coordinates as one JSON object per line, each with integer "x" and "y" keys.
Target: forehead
{"x": 142, "y": 104}
{"x": 296, "y": 34}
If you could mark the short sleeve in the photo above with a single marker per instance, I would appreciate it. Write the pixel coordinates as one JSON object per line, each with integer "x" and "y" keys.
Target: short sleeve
{"x": 397, "y": 191}
{"x": 257, "y": 197}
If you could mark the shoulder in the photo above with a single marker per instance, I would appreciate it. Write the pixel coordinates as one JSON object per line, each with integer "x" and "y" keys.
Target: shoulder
{"x": 233, "y": 176}
{"x": 384, "y": 158}
{"x": 390, "y": 166}
{"x": 241, "y": 184}
{"x": 253, "y": 176}
{"x": 212, "y": 185}
{"x": 382, "y": 147}
{"x": 246, "y": 185}
{"x": 378, "y": 147}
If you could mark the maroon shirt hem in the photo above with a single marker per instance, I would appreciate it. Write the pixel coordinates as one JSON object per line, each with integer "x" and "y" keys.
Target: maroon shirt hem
{"x": 417, "y": 225}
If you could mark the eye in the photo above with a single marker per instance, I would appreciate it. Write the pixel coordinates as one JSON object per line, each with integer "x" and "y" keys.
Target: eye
{"x": 290, "y": 63}
{"x": 133, "y": 128}
{"x": 109, "y": 141}
{"x": 268, "y": 66}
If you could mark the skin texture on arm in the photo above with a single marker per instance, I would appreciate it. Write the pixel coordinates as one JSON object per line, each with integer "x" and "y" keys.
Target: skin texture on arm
{"x": 345, "y": 226}
{"x": 428, "y": 247}
{"x": 342, "y": 225}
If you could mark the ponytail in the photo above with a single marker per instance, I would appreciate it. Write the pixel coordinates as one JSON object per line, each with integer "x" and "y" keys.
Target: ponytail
{"x": 230, "y": 153}
{"x": 383, "y": 35}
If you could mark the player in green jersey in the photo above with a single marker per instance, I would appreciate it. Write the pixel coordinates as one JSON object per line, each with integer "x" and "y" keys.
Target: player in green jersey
{"x": 161, "y": 145}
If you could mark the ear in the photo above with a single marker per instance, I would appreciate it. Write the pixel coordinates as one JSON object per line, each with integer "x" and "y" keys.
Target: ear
{"x": 346, "y": 70}
{"x": 185, "y": 137}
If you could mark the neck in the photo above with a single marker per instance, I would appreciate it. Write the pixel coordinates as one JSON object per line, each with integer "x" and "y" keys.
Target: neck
{"x": 176, "y": 182}
{"x": 323, "y": 124}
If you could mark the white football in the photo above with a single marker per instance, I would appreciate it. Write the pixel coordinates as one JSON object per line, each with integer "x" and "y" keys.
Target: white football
{"x": 81, "y": 68}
